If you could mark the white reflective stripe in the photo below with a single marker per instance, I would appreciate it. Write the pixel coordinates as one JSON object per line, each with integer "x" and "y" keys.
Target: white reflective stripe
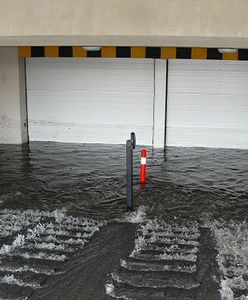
{"x": 143, "y": 160}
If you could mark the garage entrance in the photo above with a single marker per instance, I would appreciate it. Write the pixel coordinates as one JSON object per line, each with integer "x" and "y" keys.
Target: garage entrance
{"x": 99, "y": 100}
{"x": 90, "y": 101}
{"x": 207, "y": 104}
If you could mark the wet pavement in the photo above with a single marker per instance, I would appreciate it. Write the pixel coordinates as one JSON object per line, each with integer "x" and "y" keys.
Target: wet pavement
{"x": 65, "y": 233}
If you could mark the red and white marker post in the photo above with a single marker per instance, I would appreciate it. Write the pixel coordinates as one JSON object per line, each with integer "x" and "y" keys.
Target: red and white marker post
{"x": 143, "y": 166}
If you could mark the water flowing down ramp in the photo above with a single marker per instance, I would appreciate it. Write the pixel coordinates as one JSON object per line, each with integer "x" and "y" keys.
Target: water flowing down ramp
{"x": 164, "y": 264}
{"x": 232, "y": 245}
{"x": 35, "y": 244}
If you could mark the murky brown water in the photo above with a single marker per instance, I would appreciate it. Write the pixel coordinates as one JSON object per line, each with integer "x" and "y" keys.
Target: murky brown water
{"x": 184, "y": 185}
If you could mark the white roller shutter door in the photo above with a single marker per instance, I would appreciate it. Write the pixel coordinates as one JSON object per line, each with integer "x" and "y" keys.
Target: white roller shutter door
{"x": 207, "y": 103}
{"x": 90, "y": 100}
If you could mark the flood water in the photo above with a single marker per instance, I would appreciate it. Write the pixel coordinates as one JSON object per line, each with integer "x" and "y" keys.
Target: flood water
{"x": 65, "y": 232}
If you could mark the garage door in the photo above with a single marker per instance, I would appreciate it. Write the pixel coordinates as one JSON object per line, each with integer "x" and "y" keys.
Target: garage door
{"x": 207, "y": 104}
{"x": 90, "y": 100}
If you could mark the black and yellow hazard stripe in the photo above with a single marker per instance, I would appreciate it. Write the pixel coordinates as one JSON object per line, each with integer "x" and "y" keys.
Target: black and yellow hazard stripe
{"x": 133, "y": 52}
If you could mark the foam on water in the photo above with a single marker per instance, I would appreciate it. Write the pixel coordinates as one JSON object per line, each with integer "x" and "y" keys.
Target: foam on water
{"x": 154, "y": 267}
{"x": 45, "y": 236}
{"x": 42, "y": 255}
{"x": 139, "y": 245}
{"x": 157, "y": 231}
{"x": 176, "y": 256}
{"x": 145, "y": 270}
{"x": 232, "y": 245}
{"x": 137, "y": 216}
{"x": 24, "y": 269}
{"x": 172, "y": 248}
{"x": 109, "y": 287}
{"x": 110, "y": 290}
{"x": 10, "y": 279}
{"x": 18, "y": 241}
{"x": 67, "y": 241}
{"x": 139, "y": 281}
{"x": 48, "y": 246}
{"x": 226, "y": 291}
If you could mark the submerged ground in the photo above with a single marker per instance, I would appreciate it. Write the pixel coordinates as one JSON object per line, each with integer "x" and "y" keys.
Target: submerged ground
{"x": 65, "y": 234}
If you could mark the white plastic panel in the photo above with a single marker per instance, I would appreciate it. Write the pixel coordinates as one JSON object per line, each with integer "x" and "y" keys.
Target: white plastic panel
{"x": 207, "y": 104}
{"x": 90, "y": 100}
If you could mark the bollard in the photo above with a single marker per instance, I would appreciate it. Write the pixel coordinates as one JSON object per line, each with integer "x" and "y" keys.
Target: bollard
{"x": 130, "y": 145}
{"x": 143, "y": 167}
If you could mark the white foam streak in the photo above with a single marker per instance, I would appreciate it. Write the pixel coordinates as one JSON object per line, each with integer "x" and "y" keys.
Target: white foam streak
{"x": 42, "y": 255}
{"x": 10, "y": 279}
{"x": 27, "y": 269}
{"x": 172, "y": 241}
{"x": 190, "y": 257}
{"x": 49, "y": 246}
{"x": 51, "y": 238}
{"x": 173, "y": 249}
{"x": 151, "y": 267}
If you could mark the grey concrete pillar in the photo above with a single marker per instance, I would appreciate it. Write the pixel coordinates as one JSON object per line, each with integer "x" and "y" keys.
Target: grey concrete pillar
{"x": 13, "y": 108}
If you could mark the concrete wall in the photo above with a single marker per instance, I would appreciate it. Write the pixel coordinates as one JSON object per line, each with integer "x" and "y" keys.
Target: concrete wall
{"x": 13, "y": 119}
{"x": 210, "y": 23}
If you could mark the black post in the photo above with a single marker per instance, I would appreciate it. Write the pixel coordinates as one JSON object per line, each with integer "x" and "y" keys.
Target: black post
{"x": 130, "y": 145}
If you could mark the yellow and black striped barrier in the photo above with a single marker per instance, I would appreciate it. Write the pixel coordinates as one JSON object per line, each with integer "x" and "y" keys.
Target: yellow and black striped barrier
{"x": 133, "y": 52}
